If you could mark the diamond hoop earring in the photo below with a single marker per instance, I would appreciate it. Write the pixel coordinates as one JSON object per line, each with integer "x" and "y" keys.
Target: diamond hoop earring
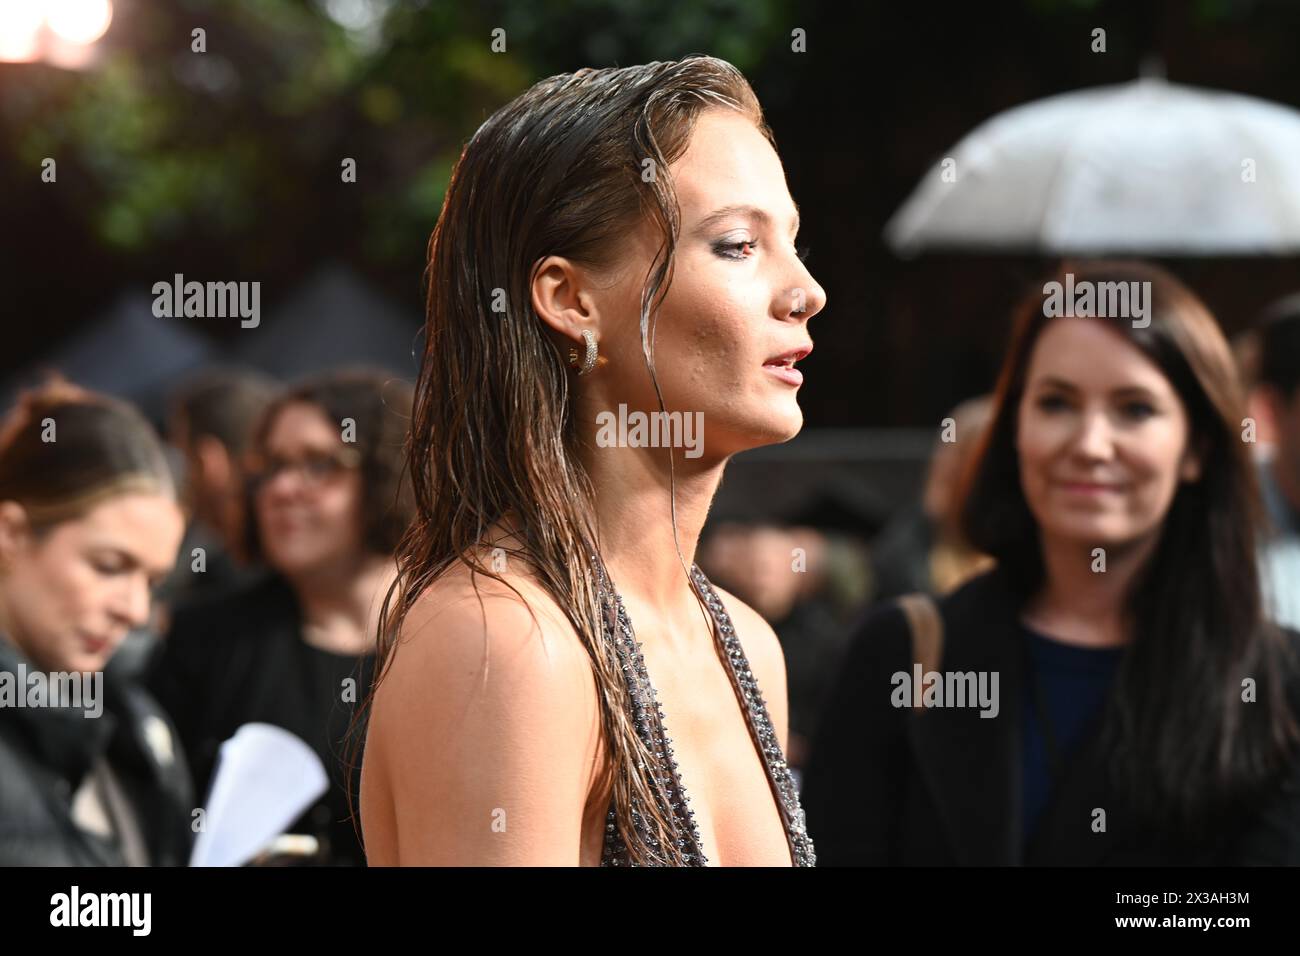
{"x": 589, "y": 359}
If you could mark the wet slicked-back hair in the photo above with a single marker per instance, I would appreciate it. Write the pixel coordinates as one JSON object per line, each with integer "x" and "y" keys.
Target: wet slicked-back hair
{"x": 557, "y": 171}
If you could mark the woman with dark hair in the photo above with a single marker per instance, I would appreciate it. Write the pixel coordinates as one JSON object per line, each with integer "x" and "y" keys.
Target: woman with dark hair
{"x": 1143, "y": 710}
{"x": 615, "y": 264}
{"x": 295, "y": 648}
{"x": 91, "y": 773}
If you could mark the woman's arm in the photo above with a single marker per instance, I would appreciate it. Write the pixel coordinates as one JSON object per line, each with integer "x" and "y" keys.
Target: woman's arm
{"x": 482, "y": 736}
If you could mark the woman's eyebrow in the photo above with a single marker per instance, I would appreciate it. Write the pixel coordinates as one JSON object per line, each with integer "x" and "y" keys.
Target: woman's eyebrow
{"x": 132, "y": 560}
{"x": 1136, "y": 391}
{"x": 308, "y": 449}
{"x": 746, "y": 211}
{"x": 1052, "y": 381}
{"x": 1121, "y": 391}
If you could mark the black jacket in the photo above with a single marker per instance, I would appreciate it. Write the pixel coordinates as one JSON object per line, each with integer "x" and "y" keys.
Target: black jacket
{"x": 885, "y": 786}
{"x": 239, "y": 657}
{"x": 45, "y": 753}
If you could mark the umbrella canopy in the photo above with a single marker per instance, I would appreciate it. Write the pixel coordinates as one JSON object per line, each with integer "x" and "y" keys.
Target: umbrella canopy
{"x": 1147, "y": 167}
{"x": 334, "y": 319}
{"x": 128, "y": 352}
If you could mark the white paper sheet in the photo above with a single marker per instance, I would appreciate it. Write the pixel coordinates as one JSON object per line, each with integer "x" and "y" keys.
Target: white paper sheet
{"x": 266, "y": 777}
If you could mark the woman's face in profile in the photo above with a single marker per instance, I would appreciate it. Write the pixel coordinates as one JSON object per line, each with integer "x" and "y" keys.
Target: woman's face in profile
{"x": 739, "y": 302}
{"x": 1102, "y": 436}
{"x": 73, "y": 591}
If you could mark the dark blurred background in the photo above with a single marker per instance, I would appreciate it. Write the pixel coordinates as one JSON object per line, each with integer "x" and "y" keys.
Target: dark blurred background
{"x": 227, "y": 165}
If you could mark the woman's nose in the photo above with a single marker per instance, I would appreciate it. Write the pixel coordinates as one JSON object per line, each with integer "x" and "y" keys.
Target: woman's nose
{"x": 132, "y": 603}
{"x": 806, "y": 300}
{"x": 1094, "y": 438}
{"x": 285, "y": 483}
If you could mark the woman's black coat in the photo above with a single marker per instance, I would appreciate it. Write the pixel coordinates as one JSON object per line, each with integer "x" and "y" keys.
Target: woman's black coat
{"x": 45, "y": 753}
{"x": 886, "y": 786}
{"x": 238, "y": 657}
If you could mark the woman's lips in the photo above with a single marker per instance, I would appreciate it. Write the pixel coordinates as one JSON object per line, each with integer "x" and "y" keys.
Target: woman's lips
{"x": 1088, "y": 487}
{"x": 286, "y": 524}
{"x": 95, "y": 645}
{"x": 786, "y": 373}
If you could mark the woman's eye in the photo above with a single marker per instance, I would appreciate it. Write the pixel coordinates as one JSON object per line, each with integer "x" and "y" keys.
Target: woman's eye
{"x": 325, "y": 468}
{"x": 108, "y": 566}
{"x": 725, "y": 249}
{"x": 1051, "y": 403}
{"x": 1139, "y": 411}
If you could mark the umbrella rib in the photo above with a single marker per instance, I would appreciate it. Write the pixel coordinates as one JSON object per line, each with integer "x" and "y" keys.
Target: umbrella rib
{"x": 1067, "y": 155}
{"x": 1261, "y": 145}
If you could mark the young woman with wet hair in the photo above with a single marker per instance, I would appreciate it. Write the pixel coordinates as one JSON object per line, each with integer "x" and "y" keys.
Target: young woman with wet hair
{"x": 613, "y": 242}
{"x": 1146, "y": 709}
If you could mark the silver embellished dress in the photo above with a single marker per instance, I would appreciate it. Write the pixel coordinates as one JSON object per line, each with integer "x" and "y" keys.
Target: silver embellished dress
{"x": 648, "y": 716}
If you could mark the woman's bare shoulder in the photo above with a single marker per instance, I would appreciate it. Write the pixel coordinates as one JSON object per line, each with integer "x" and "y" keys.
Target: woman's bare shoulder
{"x": 466, "y": 629}
{"x": 472, "y": 603}
{"x": 485, "y": 724}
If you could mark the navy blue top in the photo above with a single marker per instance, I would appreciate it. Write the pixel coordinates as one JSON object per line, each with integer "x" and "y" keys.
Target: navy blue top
{"x": 1074, "y": 682}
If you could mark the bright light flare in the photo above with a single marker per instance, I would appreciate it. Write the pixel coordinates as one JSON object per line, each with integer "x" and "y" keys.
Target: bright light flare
{"x": 60, "y": 31}
{"x": 20, "y": 30}
{"x": 79, "y": 21}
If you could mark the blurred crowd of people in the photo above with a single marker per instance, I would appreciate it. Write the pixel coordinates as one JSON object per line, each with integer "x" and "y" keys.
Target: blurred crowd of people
{"x": 290, "y": 507}
{"x": 234, "y": 572}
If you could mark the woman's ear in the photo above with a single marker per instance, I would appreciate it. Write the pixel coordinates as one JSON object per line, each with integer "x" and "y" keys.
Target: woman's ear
{"x": 215, "y": 460}
{"x": 561, "y": 296}
{"x": 1193, "y": 461}
{"x": 15, "y": 530}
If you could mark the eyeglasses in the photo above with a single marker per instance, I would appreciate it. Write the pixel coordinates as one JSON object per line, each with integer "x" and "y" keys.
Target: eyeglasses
{"x": 313, "y": 469}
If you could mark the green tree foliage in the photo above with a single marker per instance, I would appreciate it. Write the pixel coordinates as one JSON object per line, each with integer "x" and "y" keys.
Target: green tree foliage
{"x": 235, "y": 154}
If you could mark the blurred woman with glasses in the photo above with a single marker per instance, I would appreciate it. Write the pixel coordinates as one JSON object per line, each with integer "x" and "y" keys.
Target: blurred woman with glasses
{"x": 90, "y": 770}
{"x": 293, "y": 649}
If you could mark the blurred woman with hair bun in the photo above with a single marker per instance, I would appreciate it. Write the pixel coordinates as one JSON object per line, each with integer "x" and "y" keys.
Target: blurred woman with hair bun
{"x": 89, "y": 525}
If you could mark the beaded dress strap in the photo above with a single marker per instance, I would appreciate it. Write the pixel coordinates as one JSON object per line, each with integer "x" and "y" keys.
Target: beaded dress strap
{"x": 648, "y": 718}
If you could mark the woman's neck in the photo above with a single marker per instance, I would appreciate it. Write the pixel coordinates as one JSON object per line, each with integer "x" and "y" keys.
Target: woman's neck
{"x": 340, "y": 610}
{"x": 635, "y": 513}
{"x": 1084, "y": 598}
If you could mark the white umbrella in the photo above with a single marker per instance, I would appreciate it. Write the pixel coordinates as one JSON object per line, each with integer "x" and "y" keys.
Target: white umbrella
{"x": 1147, "y": 167}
